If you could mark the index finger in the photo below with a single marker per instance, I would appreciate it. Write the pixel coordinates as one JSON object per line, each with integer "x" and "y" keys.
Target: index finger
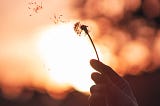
{"x": 106, "y": 70}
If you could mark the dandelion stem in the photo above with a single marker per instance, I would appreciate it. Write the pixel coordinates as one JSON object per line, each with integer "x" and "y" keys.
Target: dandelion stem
{"x": 93, "y": 45}
{"x": 78, "y": 28}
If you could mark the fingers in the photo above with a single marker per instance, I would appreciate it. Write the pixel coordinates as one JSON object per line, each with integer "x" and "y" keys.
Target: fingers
{"x": 109, "y": 78}
{"x": 97, "y": 77}
{"x": 107, "y": 71}
{"x": 109, "y": 87}
{"x": 97, "y": 97}
{"x": 99, "y": 66}
{"x": 99, "y": 89}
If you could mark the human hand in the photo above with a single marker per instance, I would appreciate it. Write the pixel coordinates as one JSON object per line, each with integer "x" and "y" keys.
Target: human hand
{"x": 110, "y": 89}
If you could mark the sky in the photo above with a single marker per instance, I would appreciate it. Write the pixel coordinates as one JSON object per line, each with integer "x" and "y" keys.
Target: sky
{"x": 21, "y": 64}
{"x": 126, "y": 33}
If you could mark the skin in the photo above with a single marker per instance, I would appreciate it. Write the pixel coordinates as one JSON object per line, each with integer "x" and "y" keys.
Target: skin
{"x": 110, "y": 89}
{"x": 151, "y": 8}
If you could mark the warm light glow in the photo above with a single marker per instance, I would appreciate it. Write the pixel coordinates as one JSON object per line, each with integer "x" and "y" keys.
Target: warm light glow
{"x": 67, "y": 56}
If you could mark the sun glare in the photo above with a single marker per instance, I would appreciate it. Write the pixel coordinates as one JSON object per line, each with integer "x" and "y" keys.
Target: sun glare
{"x": 67, "y": 56}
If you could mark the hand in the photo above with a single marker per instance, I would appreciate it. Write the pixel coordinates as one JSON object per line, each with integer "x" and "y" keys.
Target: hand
{"x": 110, "y": 89}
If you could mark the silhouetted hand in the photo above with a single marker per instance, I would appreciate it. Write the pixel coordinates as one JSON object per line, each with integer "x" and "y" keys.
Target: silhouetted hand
{"x": 110, "y": 89}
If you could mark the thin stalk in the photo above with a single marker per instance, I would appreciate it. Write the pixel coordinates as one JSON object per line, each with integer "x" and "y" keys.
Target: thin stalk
{"x": 93, "y": 46}
{"x": 78, "y": 28}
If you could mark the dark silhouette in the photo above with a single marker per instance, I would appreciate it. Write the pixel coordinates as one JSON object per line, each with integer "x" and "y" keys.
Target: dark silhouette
{"x": 110, "y": 89}
{"x": 146, "y": 87}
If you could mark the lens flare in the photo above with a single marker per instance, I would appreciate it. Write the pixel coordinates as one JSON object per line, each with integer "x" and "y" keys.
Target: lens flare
{"x": 67, "y": 56}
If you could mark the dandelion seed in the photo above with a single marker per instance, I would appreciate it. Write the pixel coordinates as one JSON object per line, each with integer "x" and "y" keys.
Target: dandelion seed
{"x": 58, "y": 19}
{"x": 78, "y": 28}
{"x": 34, "y": 7}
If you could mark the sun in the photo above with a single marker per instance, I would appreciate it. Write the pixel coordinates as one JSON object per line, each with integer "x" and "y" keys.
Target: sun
{"x": 67, "y": 56}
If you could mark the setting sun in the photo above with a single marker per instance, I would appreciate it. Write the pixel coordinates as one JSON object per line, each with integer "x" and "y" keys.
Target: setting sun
{"x": 67, "y": 56}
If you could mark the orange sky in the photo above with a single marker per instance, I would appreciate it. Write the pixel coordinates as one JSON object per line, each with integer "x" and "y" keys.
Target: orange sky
{"x": 20, "y": 63}
{"x": 18, "y": 35}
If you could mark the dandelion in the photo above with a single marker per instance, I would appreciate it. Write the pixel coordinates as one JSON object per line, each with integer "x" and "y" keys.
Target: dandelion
{"x": 78, "y": 28}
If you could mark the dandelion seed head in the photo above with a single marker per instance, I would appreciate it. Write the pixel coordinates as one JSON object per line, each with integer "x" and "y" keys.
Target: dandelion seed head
{"x": 77, "y": 28}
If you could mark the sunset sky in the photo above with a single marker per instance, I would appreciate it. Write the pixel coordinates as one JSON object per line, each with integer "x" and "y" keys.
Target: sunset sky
{"x": 21, "y": 65}
{"x": 126, "y": 39}
{"x": 22, "y": 28}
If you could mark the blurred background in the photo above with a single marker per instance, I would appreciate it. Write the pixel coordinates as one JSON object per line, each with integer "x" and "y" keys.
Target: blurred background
{"x": 43, "y": 62}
